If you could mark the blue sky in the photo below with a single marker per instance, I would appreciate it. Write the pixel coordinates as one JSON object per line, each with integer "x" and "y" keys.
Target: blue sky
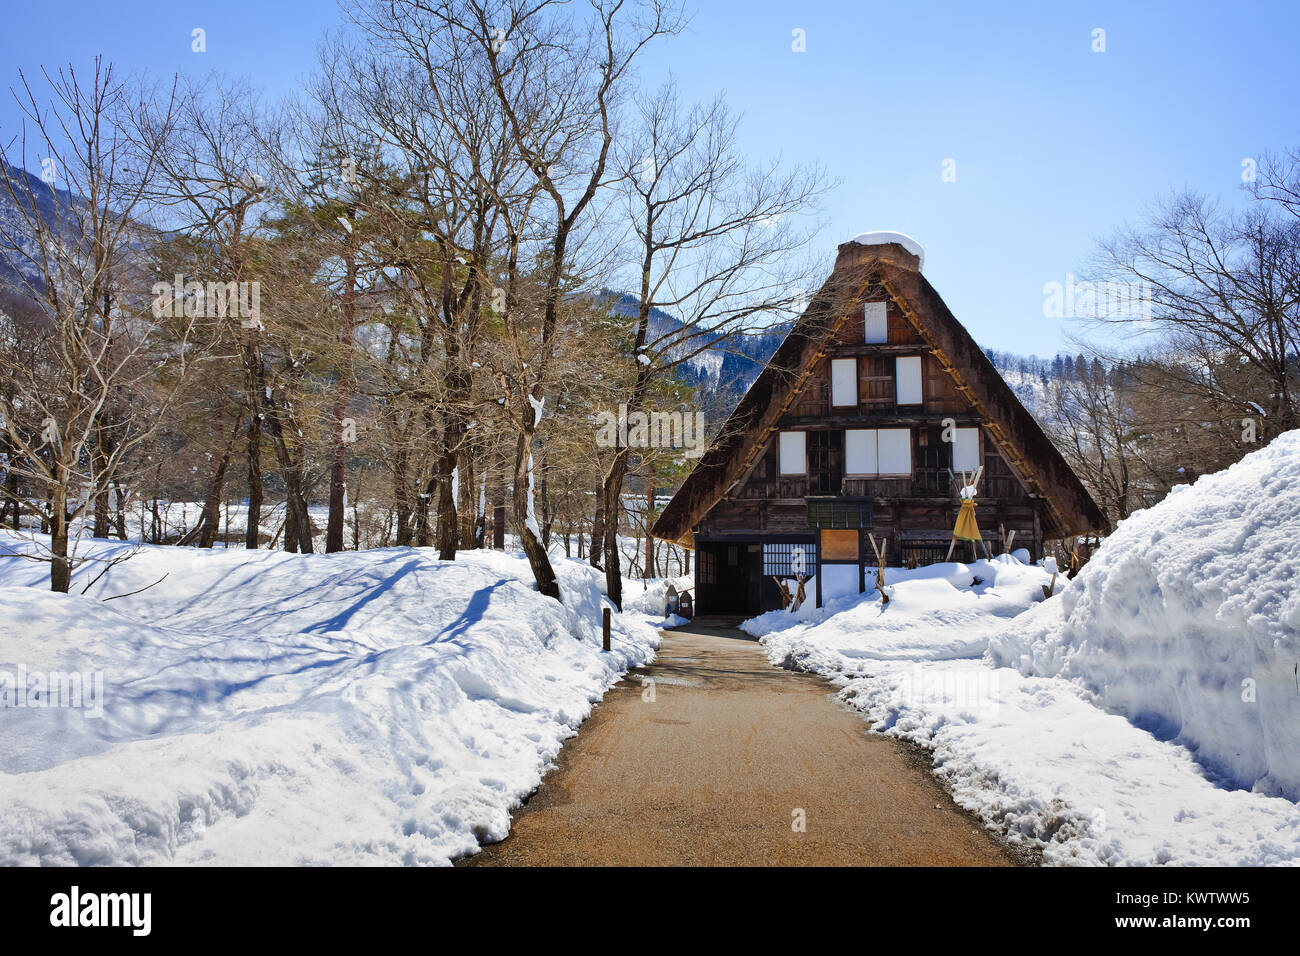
{"x": 1052, "y": 145}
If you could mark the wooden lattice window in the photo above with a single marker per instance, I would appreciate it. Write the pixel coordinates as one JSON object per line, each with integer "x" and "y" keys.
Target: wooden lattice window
{"x": 825, "y": 462}
{"x": 920, "y": 553}
{"x": 779, "y": 559}
{"x": 838, "y": 513}
{"x": 707, "y": 563}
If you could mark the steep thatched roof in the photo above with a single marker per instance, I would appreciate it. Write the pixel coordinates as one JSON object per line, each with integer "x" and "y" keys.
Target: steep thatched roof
{"x": 858, "y": 268}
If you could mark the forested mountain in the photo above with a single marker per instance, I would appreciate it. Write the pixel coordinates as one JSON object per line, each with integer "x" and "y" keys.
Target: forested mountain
{"x": 723, "y": 370}
{"x": 51, "y": 203}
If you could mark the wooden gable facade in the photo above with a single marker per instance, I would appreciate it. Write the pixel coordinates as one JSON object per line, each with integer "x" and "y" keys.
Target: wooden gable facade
{"x": 856, "y": 426}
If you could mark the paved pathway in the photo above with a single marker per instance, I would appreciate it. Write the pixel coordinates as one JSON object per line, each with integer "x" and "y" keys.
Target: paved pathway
{"x": 716, "y": 769}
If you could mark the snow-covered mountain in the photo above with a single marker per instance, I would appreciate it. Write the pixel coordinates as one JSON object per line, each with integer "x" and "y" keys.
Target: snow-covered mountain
{"x": 721, "y": 373}
{"x": 50, "y": 203}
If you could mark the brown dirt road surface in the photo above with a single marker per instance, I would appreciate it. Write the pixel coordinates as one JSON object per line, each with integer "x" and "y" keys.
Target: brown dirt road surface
{"x": 715, "y": 769}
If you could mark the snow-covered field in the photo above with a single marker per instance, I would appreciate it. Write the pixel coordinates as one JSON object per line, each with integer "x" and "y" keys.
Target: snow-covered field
{"x": 376, "y": 707}
{"x": 1143, "y": 701}
{"x": 175, "y": 518}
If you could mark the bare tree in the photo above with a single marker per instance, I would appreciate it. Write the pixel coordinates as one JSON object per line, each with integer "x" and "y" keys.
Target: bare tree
{"x": 74, "y": 406}
{"x": 715, "y": 244}
{"x": 559, "y": 81}
{"x": 1223, "y": 289}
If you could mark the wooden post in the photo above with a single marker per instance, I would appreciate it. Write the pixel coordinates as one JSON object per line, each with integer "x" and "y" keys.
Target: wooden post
{"x": 604, "y": 628}
{"x": 862, "y": 566}
{"x": 817, "y": 550}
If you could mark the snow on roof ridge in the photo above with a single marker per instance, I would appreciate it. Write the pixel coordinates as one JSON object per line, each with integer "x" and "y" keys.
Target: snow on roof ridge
{"x": 881, "y": 237}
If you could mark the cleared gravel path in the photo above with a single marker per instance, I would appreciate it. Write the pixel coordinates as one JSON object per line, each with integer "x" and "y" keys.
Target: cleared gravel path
{"x": 720, "y": 764}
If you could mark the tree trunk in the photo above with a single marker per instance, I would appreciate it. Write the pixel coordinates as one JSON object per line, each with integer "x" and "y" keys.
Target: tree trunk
{"x": 296, "y": 503}
{"x": 290, "y": 529}
{"x": 290, "y": 470}
{"x": 650, "y": 570}
{"x": 210, "y": 519}
{"x": 60, "y": 568}
{"x": 544, "y": 499}
{"x": 120, "y": 517}
{"x": 597, "y": 528}
{"x": 538, "y": 559}
{"x": 448, "y": 530}
{"x": 338, "y": 471}
{"x": 467, "y": 507}
{"x": 17, "y": 503}
{"x": 401, "y": 497}
{"x": 252, "y": 534}
{"x": 101, "y": 478}
{"x": 101, "y": 501}
{"x": 338, "y": 476}
{"x": 611, "y": 500}
{"x": 612, "y": 490}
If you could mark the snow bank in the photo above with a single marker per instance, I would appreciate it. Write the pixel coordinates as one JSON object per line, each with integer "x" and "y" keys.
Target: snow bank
{"x": 1185, "y": 622}
{"x": 1043, "y": 766}
{"x": 1032, "y": 755}
{"x": 934, "y": 613}
{"x": 375, "y": 707}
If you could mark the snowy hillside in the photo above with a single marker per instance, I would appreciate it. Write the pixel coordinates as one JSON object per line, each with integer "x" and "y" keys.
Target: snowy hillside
{"x": 34, "y": 196}
{"x": 1186, "y": 621}
{"x": 376, "y": 707}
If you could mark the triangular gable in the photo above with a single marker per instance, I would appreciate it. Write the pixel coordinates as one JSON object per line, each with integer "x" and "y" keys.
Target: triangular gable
{"x": 1022, "y": 441}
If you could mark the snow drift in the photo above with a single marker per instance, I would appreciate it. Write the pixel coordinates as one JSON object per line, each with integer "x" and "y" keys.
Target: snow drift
{"x": 377, "y": 707}
{"x": 939, "y": 612}
{"x": 1185, "y": 622}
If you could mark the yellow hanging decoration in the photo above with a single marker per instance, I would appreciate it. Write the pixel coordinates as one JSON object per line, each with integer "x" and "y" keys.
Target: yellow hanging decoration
{"x": 966, "y": 528}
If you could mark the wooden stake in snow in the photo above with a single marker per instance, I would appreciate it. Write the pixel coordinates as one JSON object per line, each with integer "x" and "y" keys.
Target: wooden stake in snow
{"x": 1049, "y": 565}
{"x": 880, "y": 550}
{"x": 799, "y": 568}
{"x": 784, "y": 588}
{"x": 604, "y": 628}
{"x": 799, "y": 595}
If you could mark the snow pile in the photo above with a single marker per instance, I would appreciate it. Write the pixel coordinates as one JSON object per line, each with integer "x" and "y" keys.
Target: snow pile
{"x": 937, "y": 612}
{"x": 375, "y": 707}
{"x": 1043, "y": 766}
{"x": 1185, "y": 622}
